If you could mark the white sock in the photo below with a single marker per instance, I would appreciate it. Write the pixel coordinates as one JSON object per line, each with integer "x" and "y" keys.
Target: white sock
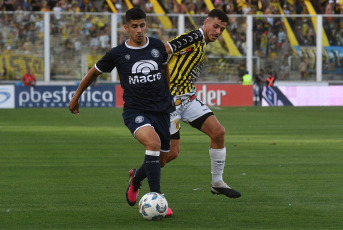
{"x": 217, "y": 163}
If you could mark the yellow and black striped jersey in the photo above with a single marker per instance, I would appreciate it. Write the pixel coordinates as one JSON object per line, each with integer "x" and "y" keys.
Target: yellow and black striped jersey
{"x": 186, "y": 61}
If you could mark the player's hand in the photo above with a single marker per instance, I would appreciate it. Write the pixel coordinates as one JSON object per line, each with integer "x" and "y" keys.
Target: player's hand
{"x": 74, "y": 106}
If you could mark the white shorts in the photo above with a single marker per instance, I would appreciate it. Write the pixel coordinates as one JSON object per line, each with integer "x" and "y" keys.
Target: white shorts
{"x": 188, "y": 109}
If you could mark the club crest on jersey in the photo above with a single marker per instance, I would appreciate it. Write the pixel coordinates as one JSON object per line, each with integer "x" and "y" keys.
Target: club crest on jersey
{"x": 127, "y": 56}
{"x": 139, "y": 119}
{"x": 178, "y": 102}
{"x": 141, "y": 72}
{"x": 155, "y": 53}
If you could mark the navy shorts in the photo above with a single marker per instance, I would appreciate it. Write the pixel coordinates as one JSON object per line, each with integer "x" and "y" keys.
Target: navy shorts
{"x": 134, "y": 119}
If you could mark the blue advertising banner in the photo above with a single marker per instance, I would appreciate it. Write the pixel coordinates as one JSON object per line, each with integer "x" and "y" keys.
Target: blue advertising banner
{"x": 59, "y": 96}
{"x": 274, "y": 97}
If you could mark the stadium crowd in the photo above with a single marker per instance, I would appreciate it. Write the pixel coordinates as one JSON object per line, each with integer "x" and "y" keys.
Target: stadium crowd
{"x": 23, "y": 25}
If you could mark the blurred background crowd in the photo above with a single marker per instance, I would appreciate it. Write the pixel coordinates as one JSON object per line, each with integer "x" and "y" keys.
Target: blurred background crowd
{"x": 22, "y": 27}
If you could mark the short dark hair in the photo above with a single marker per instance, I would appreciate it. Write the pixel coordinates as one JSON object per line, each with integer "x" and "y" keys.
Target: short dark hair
{"x": 215, "y": 13}
{"x": 134, "y": 14}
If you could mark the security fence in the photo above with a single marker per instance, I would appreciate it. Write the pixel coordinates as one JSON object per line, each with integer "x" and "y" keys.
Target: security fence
{"x": 63, "y": 46}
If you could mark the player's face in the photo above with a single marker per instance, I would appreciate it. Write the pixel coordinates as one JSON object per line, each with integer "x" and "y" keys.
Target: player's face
{"x": 136, "y": 30}
{"x": 213, "y": 28}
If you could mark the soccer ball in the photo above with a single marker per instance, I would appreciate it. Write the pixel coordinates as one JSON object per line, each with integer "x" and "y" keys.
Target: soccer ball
{"x": 153, "y": 206}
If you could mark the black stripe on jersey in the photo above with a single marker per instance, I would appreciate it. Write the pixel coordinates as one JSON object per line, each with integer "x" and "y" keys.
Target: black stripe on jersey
{"x": 186, "y": 86}
{"x": 180, "y": 75}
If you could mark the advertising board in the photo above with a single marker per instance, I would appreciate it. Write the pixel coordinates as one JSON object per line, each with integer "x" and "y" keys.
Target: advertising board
{"x": 59, "y": 96}
{"x": 6, "y": 96}
{"x": 214, "y": 95}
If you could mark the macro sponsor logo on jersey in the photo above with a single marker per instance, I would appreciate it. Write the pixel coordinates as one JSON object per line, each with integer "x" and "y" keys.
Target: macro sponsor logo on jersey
{"x": 59, "y": 96}
{"x": 142, "y": 72}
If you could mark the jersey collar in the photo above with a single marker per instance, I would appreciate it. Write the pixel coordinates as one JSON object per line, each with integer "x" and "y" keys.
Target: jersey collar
{"x": 203, "y": 35}
{"x": 139, "y": 47}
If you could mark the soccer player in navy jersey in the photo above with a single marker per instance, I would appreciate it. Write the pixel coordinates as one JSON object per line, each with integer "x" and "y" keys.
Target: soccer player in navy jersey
{"x": 144, "y": 76}
{"x": 187, "y": 58}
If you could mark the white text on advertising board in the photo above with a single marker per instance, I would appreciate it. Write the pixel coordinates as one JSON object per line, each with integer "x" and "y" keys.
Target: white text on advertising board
{"x": 52, "y": 97}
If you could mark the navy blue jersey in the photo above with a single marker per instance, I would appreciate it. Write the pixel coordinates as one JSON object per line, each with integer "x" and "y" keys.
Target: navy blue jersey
{"x": 140, "y": 72}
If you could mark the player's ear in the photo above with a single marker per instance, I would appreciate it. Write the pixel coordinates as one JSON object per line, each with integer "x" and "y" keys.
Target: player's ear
{"x": 206, "y": 20}
{"x": 126, "y": 27}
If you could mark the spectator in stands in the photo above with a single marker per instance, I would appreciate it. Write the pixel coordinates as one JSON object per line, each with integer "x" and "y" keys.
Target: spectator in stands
{"x": 94, "y": 41}
{"x": 19, "y": 15}
{"x": 45, "y": 7}
{"x": 28, "y": 79}
{"x": 8, "y": 5}
{"x": 136, "y": 3}
{"x": 51, "y": 4}
{"x": 175, "y": 7}
{"x": 182, "y": 7}
{"x": 93, "y": 8}
{"x": 273, "y": 47}
{"x": 281, "y": 36}
{"x": 241, "y": 68}
{"x": 303, "y": 68}
{"x": 57, "y": 11}
{"x": 258, "y": 31}
{"x": 264, "y": 43}
{"x": 192, "y": 7}
{"x": 259, "y": 81}
{"x": 286, "y": 51}
{"x": 3, "y": 72}
{"x": 35, "y": 5}
{"x": 75, "y": 7}
{"x": 285, "y": 9}
{"x": 203, "y": 9}
{"x": 104, "y": 39}
{"x": 270, "y": 79}
{"x": 28, "y": 46}
{"x": 246, "y": 79}
{"x": 148, "y": 7}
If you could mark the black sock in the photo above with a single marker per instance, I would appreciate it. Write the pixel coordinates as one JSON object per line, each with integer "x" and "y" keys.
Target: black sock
{"x": 153, "y": 172}
{"x": 140, "y": 176}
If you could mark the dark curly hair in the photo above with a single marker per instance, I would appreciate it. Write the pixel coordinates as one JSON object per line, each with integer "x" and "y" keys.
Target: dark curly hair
{"x": 134, "y": 14}
{"x": 215, "y": 13}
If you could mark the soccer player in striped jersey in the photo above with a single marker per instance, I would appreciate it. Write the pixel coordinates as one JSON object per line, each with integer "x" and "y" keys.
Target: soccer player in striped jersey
{"x": 185, "y": 64}
{"x": 144, "y": 76}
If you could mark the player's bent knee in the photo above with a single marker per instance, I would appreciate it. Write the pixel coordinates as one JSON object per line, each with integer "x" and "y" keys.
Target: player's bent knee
{"x": 221, "y": 131}
{"x": 153, "y": 144}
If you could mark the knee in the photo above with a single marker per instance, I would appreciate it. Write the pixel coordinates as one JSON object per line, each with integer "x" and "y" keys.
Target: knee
{"x": 219, "y": 133}
{"x": 153, "y": 144}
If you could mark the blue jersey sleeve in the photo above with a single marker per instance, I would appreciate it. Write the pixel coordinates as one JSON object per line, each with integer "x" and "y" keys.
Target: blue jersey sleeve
{"x": 107, "y": 63}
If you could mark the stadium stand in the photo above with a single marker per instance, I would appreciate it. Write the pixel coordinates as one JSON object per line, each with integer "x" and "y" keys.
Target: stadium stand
{"x": 22, "y": 29}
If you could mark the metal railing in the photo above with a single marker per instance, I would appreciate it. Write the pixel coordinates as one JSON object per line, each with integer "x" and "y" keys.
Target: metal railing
{"x": 62, "y": 47}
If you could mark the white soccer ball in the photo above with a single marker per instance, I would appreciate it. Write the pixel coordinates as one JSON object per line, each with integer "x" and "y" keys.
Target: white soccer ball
{"x": 153, "y": 206}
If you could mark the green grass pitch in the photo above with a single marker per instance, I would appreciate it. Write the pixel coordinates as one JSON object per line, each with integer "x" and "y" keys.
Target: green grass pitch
{"x": 63, "y": 171}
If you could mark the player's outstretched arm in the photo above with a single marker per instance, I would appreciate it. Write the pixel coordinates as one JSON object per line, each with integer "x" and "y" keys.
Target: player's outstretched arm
{"x": 92, "y": 74}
